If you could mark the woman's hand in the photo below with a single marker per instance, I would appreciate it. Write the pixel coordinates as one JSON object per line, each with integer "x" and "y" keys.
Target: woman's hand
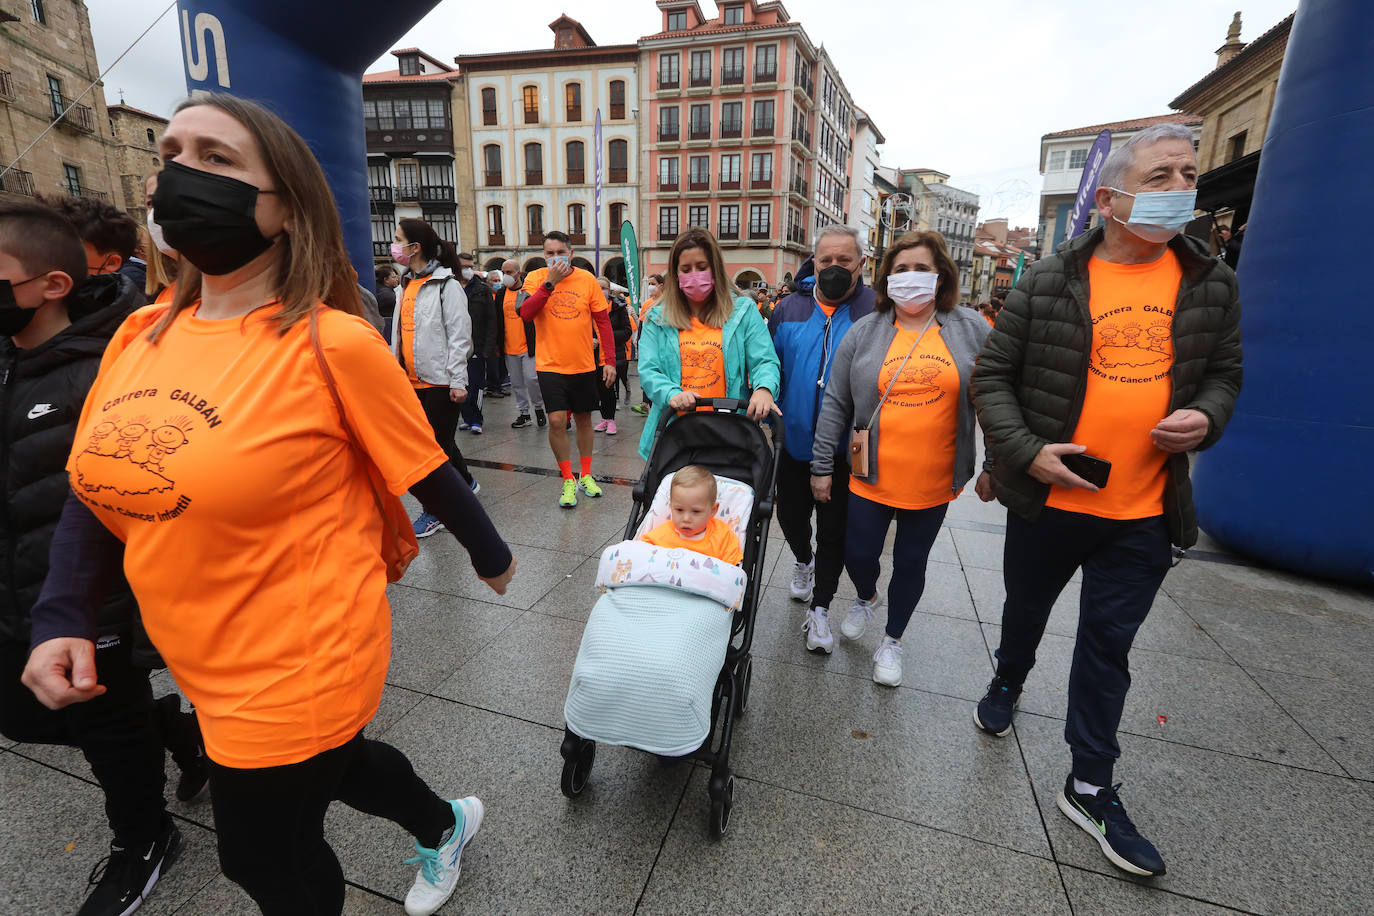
{"x": 985, "y": 487}
{"x": 762, "y": 404}
{"x": 820, "y": 488}
{"x": 457, "y": 395}
{"x": 683, "y": 400}
{"x": 499, "y": 584}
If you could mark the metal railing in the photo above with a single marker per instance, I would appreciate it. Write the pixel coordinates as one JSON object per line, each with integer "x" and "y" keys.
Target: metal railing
{"x": 6, "y": 84}
{"x": 80, "y": 116}
{"x": 18, "y": 181}
{"x": 437, "y": 193}
{"x": 379, "y": 195}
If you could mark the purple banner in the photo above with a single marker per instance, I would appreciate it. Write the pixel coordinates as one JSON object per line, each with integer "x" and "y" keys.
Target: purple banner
{"x": 596, "y": 208}
{"x": 1083, "y": 202}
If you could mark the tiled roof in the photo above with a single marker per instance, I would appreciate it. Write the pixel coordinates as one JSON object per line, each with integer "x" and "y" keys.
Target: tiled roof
{"x": 137, "y": 111}
{"x": 718, "y": 30}
{"x": 1279, "y": 31}
{"x": 394, "y": 76}
{"x": 1189, "y": 120}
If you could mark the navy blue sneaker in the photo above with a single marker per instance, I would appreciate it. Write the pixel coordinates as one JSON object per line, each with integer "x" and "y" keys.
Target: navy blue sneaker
{"x": 1104, "y": 819}
{"x": 996, "y": 708}
{"x": 426, "y": 525}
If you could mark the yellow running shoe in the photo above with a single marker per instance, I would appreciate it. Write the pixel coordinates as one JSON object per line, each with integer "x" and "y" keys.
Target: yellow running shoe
{"x": 588, "y": 485}
{"x": 569, "y": 497}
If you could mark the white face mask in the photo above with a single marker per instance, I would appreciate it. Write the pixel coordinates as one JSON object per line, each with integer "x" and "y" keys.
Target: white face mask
{"x": 650, "y": 290}
{"x": 508, "y": 281}
{"x": 156, "y": 232}
{"x": 1158, "y": 216}
{"x": 913, "y": 290}
{"x": 468, "y": 273}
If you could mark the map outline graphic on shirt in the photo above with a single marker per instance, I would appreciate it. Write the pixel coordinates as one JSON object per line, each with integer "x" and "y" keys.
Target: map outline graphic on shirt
{"x": 126, "y": 457}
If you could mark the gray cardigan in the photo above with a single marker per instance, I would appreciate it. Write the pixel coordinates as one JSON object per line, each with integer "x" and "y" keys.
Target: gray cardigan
{"x": 853, "y": 388}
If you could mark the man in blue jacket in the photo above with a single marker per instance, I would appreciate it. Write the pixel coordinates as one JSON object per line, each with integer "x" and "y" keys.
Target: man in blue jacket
{"x": 807, "y": 329}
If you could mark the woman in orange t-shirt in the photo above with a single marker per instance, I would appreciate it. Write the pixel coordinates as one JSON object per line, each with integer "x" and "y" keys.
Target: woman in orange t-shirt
{"x": 901, "y": 375}
{"x": 234, "y": 442}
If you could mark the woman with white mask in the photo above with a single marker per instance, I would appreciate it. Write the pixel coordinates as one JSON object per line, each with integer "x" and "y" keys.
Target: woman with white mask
{"x": 899, "y": 393}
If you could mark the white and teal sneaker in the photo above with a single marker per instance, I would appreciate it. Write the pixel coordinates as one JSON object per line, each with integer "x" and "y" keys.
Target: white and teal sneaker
{"x": 439, "y": 868}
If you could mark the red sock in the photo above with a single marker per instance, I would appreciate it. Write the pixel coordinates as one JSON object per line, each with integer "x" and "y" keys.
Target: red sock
{"x": 565, "y": 467}
{"x": 586, "y": 465}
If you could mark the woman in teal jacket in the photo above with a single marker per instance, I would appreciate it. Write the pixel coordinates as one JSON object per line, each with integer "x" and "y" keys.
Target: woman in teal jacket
{"x": 701, "y": 340}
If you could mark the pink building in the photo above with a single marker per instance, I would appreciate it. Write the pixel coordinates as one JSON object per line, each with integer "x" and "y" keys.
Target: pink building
{"x": 730, "y": 137}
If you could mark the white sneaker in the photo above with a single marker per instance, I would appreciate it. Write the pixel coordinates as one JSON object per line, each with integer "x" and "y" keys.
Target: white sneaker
{"x": 439, "y": 868}
{"x": 887, "y": 663}
{"x": 857, "y": 620}
{"x": 803, "y": 580}
{"x": 817, "y": 630}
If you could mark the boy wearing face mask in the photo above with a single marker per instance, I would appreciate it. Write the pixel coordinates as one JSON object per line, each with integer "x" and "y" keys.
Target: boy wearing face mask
{"x": 54, "y": 326}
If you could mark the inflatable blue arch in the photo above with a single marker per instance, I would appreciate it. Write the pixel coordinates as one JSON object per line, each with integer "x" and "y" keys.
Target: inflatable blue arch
{"x": 1289, "y": 483}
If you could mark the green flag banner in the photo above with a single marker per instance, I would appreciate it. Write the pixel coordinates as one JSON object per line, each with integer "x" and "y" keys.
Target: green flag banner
{"x": 1020, "y": 266}
{"x": 629, "y": 250}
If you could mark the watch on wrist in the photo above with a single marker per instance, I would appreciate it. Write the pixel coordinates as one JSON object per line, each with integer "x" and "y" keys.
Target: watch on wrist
{"x": 548, "y": 286}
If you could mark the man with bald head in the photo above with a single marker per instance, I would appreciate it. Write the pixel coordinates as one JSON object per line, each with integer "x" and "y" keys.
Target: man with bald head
{"x": 520, "y": 349}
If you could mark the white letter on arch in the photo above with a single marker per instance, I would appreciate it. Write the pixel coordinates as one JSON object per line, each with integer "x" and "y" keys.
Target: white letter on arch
{"x": 197, "y": 65}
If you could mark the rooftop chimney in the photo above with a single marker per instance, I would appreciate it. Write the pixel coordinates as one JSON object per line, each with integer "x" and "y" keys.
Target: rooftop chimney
{"x": 1233, "y": 44}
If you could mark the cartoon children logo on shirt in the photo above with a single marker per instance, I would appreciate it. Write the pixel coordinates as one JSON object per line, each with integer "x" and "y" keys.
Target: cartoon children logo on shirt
{"x": 1133, "y": 349}
{"x": 563, "y": 305}
{"x": 920, "y": 383}
{"x": 701, "y": 365}
{"x": 127, "y": 457}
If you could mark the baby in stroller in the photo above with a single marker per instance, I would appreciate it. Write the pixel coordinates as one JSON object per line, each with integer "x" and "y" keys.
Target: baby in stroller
{"x": 694, "y": 523}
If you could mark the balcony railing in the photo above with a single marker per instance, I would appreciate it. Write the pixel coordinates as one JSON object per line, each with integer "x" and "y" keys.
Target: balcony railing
{"x": 801, "y": 135}
{"x": 379, "y": 195}
{"x": 767, "y": 75}
{"x": 437, "y": 193}
{"x": 533, "y": 177}
{"x": 6, "y": 84}
{"x": 615, "y": 235}
{"x": 491, "y": 179}
{"x": 729, "y": 184}
{"x": 700, "y": 78}
{"x": 496, "y": 239}
{"x": 700, "y": 132}
{"x": 664, "y": 185}
{"x": 667, "y": 134}
{"x": 760, "y": 181}
{"x": 618, "y": 175}
{"x": 801, "y": 186}
{"x": 408, "y": 192}
{"x": 732, "y": 77}
{"x": 796, "y": 235}
{"x": 728, "y": 232}
{"x": 699, "y": 184}
{"x": 577, "y": 176}
{"x": 577, "y": 238}
{"x": 669, "y": 81}
{"x": 534, "y": 239}
{"x": 666, "y": 233}
{"x": 763, "y": 127}
{"x": 92, "y": 194}
{"x": 18, "y": 181}
{"x": 488, "y": 117}
{"x": 729, "y": 129}
{"x": 617, "y": 111}
{"x": 80, "y": 117}
{"x": 381, "y": 249}
{"x": 759, "y": 233}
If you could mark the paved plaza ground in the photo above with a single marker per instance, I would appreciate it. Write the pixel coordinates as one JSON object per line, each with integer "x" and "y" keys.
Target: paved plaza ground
{"x": 1247, "y": 751}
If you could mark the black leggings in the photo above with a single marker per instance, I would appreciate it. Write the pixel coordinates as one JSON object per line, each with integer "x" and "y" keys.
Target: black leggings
{"x": 271, "y": 821}
{"x": 607, "y": 396}
{"x": 443, "y": 416}
{"x": 917, "y": 530}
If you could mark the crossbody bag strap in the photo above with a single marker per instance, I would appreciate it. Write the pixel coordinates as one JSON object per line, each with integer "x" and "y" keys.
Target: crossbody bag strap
{"x": 892, "y": 381}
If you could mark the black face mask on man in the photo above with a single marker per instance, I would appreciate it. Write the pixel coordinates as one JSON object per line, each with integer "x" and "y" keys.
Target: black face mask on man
{"x": 833, "y": 282}
{"x": 210, "y": 219}
{"x": 13, "y": 316}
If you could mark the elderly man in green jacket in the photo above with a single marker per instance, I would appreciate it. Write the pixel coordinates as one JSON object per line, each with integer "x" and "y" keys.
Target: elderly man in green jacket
{"x": 1110, "y": 361}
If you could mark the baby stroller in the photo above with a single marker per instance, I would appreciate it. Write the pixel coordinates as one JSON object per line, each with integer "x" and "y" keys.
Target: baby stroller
{"x": 730, "y": 445}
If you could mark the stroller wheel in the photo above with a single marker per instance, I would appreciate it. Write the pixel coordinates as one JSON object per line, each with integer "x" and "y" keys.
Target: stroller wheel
{"x": 722, "y": 802}
{"x": 577, "y": 767}
{"x": 745, "y": 678}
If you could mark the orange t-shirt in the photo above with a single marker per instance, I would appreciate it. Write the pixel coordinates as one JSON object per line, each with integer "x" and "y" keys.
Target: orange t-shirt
{"x": 703, "y": 360}
{"x": 168, "y": 293}
{"x": 829, "y": 310}
{"x": 718, "y": 540}
{"x": 405, "y": 327}
{"x": 563, "y": 328}
{"x": 516, "y": 345}
{"x": 251, "y": 533}
{"x": 1128, "y": 387}
{"x": 644, "y": 309}
{"x": 917, "y": 426}
{"x": 989, "y": 319}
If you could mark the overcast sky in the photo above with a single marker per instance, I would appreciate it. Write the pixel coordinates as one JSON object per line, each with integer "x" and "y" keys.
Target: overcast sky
{"x": 967, "y": 88}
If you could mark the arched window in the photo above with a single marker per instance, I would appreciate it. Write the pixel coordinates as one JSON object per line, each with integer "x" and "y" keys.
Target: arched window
{"x": 573, "y": 101}
{"x": 577, "y": 162}
{"x": 496, "y": 226}
{"x": 576, "y": 224}
{"x": 530, "y": 97}
{"x": 491, "y": 165}
{"x": 534, "y": 217}
{"x": 617, "y": 220}
{"x": 152, "y": 138}
{"x": 619, "y": 161}
{"x": 617, "y": 100}
{"x": 534, "y": 163}
{"x": 488, "y": 105}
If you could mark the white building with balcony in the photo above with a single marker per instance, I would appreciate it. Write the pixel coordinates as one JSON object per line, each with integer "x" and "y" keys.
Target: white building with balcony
{"x": 863, "y": 189}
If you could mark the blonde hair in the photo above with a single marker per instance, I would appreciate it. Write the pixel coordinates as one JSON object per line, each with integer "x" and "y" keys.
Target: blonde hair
{"x": 314, "y": 265}
{"x": 677, "y": 309}
{"x": 694, "y": 475}
{"x": 162, "y": 270}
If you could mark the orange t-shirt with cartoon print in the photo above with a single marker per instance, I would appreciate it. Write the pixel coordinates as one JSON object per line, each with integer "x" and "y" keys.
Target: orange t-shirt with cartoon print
{"x": 563, "y": 328}
{"x": 405, "y": 327}
{"x": 718, "y": 540}
{"x": 251, "y": 533}
{"x": 701, "y": 350}
{"x": 516, "y": 345}
{"x": 1128, "y": 387}
{"x": 917, "y": 425}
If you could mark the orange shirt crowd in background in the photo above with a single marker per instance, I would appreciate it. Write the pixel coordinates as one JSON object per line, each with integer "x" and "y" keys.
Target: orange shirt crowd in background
{"x": 516, "y": 345}
{"x": 563, "y": 329}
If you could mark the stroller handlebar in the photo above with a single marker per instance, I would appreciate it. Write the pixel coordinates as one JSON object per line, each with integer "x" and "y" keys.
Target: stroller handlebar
{"x": 719, "y": 405}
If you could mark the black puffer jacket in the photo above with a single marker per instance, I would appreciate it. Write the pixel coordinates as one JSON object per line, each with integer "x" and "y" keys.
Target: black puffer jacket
{"x": 1030, "y": 379}
{"x": 487, "y": 320}
{"x": 41, "y": 394}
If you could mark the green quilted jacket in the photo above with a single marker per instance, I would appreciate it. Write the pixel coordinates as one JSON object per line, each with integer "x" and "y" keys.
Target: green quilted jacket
{"x": 1030, "y": 379}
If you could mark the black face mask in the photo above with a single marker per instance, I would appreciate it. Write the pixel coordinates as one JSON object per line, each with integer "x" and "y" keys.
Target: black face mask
{"x": 13, "y": 317}
{"x": 833, "y": 282}
{"x": 209, "y": 218}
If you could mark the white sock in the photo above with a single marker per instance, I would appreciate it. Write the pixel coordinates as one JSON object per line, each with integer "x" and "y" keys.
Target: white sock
{"x": 1085, "y": 788}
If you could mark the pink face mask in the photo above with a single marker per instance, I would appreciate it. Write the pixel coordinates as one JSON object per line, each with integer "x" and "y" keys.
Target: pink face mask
{"x": 696, "y": 285}
{"x": 398, "y": 253}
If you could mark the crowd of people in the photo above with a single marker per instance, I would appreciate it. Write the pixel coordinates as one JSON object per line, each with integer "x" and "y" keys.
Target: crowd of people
{"x": 258, "y": 421}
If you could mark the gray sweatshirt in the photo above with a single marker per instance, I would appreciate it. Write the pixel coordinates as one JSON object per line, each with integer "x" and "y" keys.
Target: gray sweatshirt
{"x": 853, "y": 388}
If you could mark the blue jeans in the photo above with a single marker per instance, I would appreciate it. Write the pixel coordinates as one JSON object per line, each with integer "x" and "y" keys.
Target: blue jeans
{"x": 864, "y": 537}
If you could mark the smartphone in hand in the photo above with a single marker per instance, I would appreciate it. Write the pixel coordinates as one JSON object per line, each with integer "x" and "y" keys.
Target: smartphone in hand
{"x": 1094, "y": 470}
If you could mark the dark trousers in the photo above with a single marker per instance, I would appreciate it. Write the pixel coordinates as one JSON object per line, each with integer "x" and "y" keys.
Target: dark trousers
{"x": 116, "y": 732}
{"x": 477, "y": 386}
{"x": 622, "y": 377}
{"x": 496, "y": 372}
{"x": 795, "y": 505}
{"x": 916, "y": 533}
{"x": 443, "y": 416}
{"x": 1124, "y": 563}
{"x": 271, "y": 821}
{"x": 607, "y": 395}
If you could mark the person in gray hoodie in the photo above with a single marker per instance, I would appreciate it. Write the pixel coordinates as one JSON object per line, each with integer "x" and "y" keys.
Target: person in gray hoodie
{"x": 899, "y": 394}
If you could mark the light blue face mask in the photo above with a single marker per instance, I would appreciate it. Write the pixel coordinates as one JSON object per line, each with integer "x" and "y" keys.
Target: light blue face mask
{"x": 1158, "y": 216}
{"x": 558, "y": 260}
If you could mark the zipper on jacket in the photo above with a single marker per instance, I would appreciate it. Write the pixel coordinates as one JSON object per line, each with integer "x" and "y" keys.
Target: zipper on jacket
{"x": 820, "y": 371}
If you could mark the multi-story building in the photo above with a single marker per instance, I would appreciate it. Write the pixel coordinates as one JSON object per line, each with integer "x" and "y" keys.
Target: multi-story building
{"x": 952, "y": 213}
{"x": 411, "y": 126}
{"x": 47, "y": 61}
{"x": 864, "y": 196}
{"x": 531, "y": 127}
{"x": 1235, "y": 101}
{"x": 136, "y": 134}
{"x": 835, "y": 125}
{"x": 1063, "y": 154}
{"x": 996, "y": 251}
{"x": 733, "y": 133}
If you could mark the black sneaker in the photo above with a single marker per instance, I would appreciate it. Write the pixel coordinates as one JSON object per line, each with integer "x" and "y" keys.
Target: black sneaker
{"x": 521, "y": 421}
{"x": 124, "y": 879}
{"x": 541, "y": 419}
{"x": 195, "y": 776}
{"x": 1104, "y": 819}
{"x": 995, "y": 709}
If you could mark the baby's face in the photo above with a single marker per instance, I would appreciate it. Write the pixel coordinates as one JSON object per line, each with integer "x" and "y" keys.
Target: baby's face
{"x": 691, "y": 508}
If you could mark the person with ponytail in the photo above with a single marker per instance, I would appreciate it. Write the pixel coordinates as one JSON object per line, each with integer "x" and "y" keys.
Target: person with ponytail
{"x": 703, "y": 339}
{"x": 432, "y": 338}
